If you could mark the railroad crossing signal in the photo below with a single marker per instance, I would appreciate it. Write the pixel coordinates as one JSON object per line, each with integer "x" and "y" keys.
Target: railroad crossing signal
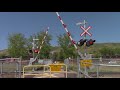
{"x": 85, "y": 31}
{"x": 81, "y": 42}
{"x": 36, "y": 50}
{"x": 90, "y": 42}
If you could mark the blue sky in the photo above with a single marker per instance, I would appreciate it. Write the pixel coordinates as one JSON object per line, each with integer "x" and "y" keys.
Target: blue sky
{"x": 105, "y": 25}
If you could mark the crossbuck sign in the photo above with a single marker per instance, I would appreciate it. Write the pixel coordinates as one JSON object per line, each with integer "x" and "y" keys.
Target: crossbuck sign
{"x": 85, "y": 31}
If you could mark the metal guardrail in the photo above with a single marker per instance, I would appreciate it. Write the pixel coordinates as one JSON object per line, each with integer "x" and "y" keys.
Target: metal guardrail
{"x": 36, "y": 73}
{"x": 52, "y": 68}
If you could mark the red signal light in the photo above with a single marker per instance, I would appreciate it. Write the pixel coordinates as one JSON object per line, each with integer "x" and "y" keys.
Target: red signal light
{"x": 36, "y": 50}
{"x": 90, "y": 42}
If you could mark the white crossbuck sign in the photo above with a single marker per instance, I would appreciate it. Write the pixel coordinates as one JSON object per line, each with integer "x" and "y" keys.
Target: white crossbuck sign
{"x": 85, "y": 31}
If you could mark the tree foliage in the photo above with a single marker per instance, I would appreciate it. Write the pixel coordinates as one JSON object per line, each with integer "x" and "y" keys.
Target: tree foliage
{"x": 17, "y": 45}
{"x": 67, "y": 49}
{"x": 109, "y": 51}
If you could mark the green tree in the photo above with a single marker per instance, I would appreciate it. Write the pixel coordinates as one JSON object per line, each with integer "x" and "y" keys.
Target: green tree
{"x": 104, "y": 51}
{"x": 17, "y": 45}
{"x": 55, "y": 56}
{"x": 67, "y": 49}
{"x": 107, "y": 51}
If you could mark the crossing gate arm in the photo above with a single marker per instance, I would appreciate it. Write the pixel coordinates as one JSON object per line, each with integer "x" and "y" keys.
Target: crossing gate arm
{"x": 70, "y": 37}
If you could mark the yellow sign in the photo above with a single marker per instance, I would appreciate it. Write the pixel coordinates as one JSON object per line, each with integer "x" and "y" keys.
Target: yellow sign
{"x": 55, "y": 67}
{"x": 85, "y": 63}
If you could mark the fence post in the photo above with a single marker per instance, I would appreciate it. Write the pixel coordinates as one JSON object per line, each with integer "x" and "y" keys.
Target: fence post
{"x": 1, "y": 68}
{"x": 97, "y": 71}
{"x": 98, "y": 67}
{"x": 20, "y": 67}
{"x": 17, "y": 70}
{"x": 79, "y": 70}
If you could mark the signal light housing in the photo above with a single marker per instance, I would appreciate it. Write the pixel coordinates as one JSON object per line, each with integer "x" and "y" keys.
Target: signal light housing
{"x": 81, "y": 42}
{"x": 30, "y": 51}
{"x": 35, "y": 51}
{"x": 90, "y": 42}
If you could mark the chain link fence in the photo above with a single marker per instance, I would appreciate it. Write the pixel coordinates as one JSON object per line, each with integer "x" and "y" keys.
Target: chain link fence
{"x": 99, "y": 68}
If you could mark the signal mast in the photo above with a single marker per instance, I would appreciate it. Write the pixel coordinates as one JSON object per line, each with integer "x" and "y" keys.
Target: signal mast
{"x": 84, "y": 41}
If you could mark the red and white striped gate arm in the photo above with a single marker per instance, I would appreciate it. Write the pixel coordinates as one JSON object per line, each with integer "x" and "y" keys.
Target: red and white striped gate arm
{"x": 68, "y": 33}
{"x": 43, "y": 39}
{"x": 42, "y": 42}
{"x": 31, "y": 61}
